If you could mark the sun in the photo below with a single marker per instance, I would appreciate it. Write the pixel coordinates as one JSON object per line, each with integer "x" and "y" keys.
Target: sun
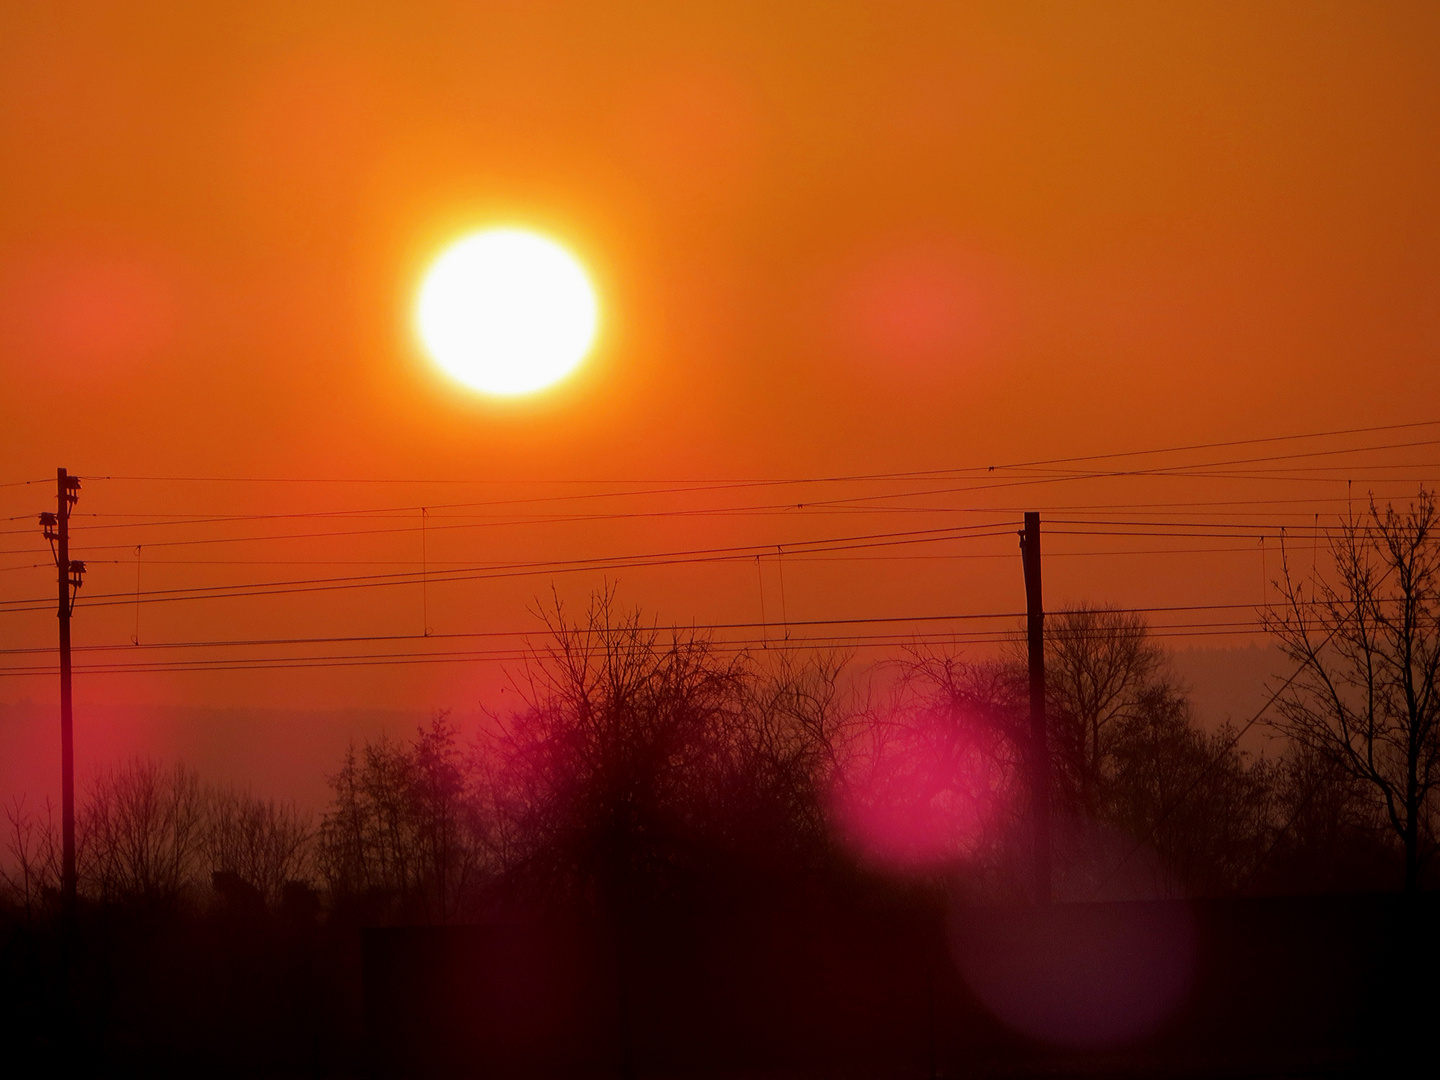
{"x": 507, "y": 311}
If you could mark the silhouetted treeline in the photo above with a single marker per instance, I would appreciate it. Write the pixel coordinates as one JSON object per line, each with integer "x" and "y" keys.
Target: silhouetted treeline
{"x": 639, "y": 767}
{"x": 645, "y": 774}
{"x": 642, "y": 770}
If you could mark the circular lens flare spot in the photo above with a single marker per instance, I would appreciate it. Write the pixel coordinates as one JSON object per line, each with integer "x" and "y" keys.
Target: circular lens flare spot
{"x": 507, "y": 311}
{"x": 1082, "y": 975}
{"x": 924, "y": 793}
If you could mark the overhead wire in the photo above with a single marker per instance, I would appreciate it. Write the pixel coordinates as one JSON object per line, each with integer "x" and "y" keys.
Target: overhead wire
{"x": 797, "y": 548}
{"x": 694, "y": 555}
{"x": 851, "y": 500}
{"x": 1334, "y": 433}
{"x": 1047, "y": 508}
{"x": 1062, "y": 524}
{"x": 993, "y": 616}
{"x": 826, "y": 642}
{"x": 1221, "y": 445}
{"x": 872, "y": 557}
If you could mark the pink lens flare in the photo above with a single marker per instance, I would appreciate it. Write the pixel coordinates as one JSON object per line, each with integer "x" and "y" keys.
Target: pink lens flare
{"x": 920, "y": 311}
{"x": 92, "y": 312}
{"x": 922, "y": 793}
{"x": 1100, "y": 973}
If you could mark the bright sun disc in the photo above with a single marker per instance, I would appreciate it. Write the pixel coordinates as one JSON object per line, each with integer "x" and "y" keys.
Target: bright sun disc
{"x": 507, "y": 311}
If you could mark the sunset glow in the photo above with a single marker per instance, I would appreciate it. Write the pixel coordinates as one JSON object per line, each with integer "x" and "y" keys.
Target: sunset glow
{"x": 507, "y": 311}
{"x": 607, "y": 542}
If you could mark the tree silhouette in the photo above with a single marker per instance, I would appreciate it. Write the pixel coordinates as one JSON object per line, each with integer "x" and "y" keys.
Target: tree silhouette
{"x": 1133, "y": 776}
{"x": 33, "y": 876}
{"x": 259, "y": 843}
{"x": 1101, "y": 669}
{"x": 404, "y": 831}
{"x": 1192, "y": 796}
{"x": 141, "y": 832}
{"x": 609, "y": 765}
{"x": 1367, "y": 645}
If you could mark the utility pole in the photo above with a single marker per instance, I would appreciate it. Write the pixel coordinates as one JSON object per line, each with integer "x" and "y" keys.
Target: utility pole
{"x": 1039, "y": 743}
{"x": 69, "y": 576}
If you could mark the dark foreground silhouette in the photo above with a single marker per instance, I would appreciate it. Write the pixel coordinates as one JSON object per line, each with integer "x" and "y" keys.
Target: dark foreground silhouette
{"x": 1275, "y": 986}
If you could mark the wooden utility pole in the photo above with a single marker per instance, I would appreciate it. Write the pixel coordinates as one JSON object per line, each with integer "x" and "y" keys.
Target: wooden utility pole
{"x": 69, "y": 575}
{"x": 1039, "y": 743}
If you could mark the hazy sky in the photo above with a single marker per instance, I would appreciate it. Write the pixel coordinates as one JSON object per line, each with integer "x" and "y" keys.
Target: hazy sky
{"x": 830, "y": 239}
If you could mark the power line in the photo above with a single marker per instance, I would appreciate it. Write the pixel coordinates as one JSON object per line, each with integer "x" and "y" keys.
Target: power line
{"x": 673, "y": 628}
{"x": 733, "y": 645}
{"x": 1221, "y": 445}
{"x": 1167, "y": 470}
{"x": 1270, "y": 457}
{"x": 701, "y": 555}
{"x": 1269, "y": 475}
{"x": 713, "y": 484}
{"x": 409, "y": 527}
{"x": 694, "y": 555}
{"x": 849, "y": 504}
{"x": 831, "y": 549}
{"x": 453, "y": 563}
{"x": 384, "y": 514}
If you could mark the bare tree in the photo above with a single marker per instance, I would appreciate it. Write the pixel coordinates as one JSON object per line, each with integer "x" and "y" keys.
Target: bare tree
{"x": 1331, "y": 834}
{"x": 1193, "y": 796}
{"x": 1099, "y": 664}
{"x": 1128, "y": 756}
{"x": 142, "y": 830}
{"x": 613, "y": 758}
{"x": 448, "y": 822}
{"x": 342, "y": 848}
{"x": 981, "y": 709}
{"x": 781, "y": 754}
{"x": 1366, "y": 641}
{"x": 405, "y": 827}
{"x": 387, "y": 785}
{"x": 34, "y": 847}
{"x": 995, "y": 691}
{"x": 259, "y": 842}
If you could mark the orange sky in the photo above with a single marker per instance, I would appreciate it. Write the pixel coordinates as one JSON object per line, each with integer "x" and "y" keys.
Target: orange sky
{"x": 830, "y": 238}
